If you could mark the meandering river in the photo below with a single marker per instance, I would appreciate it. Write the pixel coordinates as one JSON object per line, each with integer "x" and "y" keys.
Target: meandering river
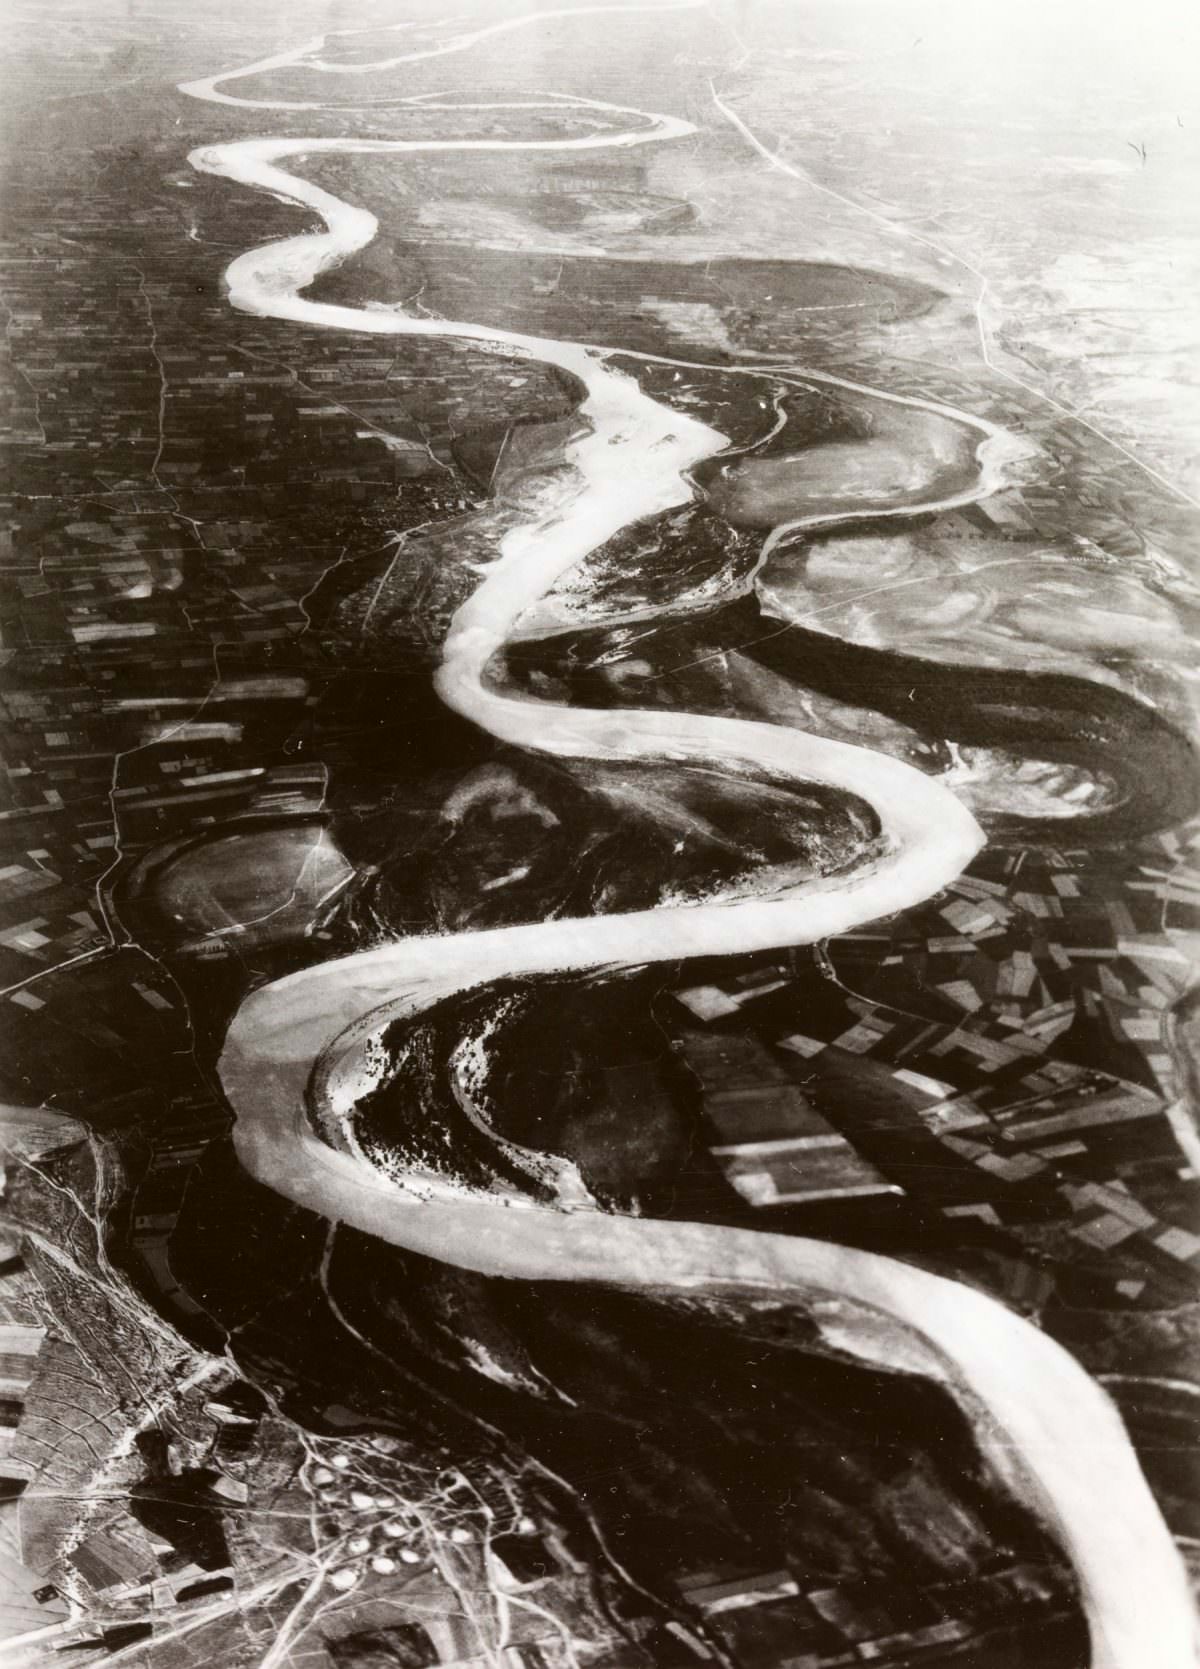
{"x": 299, "y": 1049}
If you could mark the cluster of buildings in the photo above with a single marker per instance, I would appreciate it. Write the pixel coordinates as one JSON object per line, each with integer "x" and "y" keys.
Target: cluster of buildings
{"x": 184, "y": 481}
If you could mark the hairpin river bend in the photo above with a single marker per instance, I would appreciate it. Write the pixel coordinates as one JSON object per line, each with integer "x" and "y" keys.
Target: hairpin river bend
{"x": 299, "y": 1042}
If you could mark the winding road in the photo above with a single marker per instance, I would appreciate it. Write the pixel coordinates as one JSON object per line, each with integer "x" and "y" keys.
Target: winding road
{"x": 300, "y": 1050}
